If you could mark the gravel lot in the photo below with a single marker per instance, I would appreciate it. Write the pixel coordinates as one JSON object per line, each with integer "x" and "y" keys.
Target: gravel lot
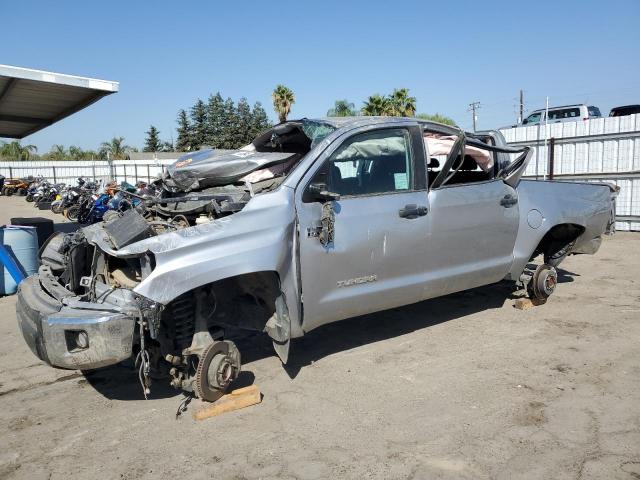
{"x": 463, "y": 386}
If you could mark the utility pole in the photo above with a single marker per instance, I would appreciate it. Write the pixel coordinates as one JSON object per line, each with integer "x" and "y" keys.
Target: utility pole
{"x": 521, "y": 117}
{"x": 472, "y": 108}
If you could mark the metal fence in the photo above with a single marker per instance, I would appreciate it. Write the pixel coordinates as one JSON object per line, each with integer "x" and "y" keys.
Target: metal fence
{"x": 596, "y": 150}
{"x": 68, "y": 171}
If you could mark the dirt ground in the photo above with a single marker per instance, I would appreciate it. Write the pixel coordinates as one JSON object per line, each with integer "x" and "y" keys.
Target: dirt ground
{"x": 464, "y": 386}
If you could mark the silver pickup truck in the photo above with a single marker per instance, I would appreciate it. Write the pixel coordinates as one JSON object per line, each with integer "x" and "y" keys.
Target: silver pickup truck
{"x": 315, "y": 221}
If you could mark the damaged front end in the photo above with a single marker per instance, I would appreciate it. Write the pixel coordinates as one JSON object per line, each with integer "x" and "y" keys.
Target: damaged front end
{"x": 165, "y": 282}
{"x": 81, "y": 311}
{"x": 73, "y": 319}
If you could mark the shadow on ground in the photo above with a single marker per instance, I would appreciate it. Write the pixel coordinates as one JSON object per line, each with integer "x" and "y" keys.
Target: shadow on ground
{"x": 355, "y": 332}
{"x": 121, "y": 382}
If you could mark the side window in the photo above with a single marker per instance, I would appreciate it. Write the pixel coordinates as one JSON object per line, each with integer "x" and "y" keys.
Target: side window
{"x": 369, "y": 163}
{"x": 533, "y": 118}
{"x": 474, "y": 165}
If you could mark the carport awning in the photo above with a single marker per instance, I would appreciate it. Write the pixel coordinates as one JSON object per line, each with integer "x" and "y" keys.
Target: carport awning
{"x": 31, "y": 100}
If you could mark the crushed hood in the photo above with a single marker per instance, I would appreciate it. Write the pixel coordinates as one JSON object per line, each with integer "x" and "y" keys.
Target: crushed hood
{"x": 208, "y": 168}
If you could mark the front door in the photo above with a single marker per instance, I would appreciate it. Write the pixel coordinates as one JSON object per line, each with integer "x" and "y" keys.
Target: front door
{"x": 371, "y": 254}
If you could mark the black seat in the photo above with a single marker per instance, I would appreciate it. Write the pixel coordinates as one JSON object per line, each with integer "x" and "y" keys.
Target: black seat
{"x": 382, "y": 177}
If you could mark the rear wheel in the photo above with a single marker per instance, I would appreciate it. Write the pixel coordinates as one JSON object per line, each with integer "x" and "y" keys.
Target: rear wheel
{"x": 22, "y": 192}
{"x": 8, "y": 192}
{"x": 543, "y": 283}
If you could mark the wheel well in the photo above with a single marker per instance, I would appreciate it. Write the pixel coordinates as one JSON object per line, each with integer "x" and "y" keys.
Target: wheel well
{"x": 558, "y": 237}
{"x": 244, "y": 301}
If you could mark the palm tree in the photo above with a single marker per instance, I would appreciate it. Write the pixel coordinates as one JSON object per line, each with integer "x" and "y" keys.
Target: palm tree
{"x": 57, "y": 152}
{"x": 76, "y": 153}
{"x": 115, "y": 149}
{"x": 402, "y": 104}
{"x": 16, "y": 151}
{"x": 342, "y": 108}
{"x": 283, "y": 99}
{"x": 376, "y": 105}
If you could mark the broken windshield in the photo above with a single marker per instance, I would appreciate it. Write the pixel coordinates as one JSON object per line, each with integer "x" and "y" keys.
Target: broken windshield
{"x": 316, "y": 131}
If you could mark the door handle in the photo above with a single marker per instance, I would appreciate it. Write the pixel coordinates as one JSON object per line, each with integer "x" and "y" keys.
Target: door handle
{"x": 413, "y": 211}
{"x": 509, "y": 201}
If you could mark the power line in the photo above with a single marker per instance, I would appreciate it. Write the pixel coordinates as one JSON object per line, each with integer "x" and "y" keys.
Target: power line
{"x": 472, "y": 108}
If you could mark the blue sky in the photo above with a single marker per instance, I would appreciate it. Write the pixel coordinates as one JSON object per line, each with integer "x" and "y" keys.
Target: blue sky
{"x": 167, "y": 54}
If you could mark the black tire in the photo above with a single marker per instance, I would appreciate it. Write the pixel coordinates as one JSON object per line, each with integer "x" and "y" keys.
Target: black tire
{"x": 56, "y": 207}
{"x": 8, "y": 192}
{"x": 543, "y": 283}
{"x": 22, "y": 192}
{"x": 29, "y": 197}
{"x": 72, "y": 213}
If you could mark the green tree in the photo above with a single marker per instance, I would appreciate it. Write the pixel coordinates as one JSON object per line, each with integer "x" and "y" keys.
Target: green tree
{"x": 376, "y": 105}
{"x": 76, "y": 153}
{"x": 342, "y": 108}
{"x": 183, "y": 142}
{"x": 57, "y": 152}
{"x": 16, "y": 151}
{"x": 229, "y": 121}
{"x": 436, "y": 117}
{"x": 401, "y": 104}
{"x": 244, "y": 123}
{"x": 215, "y": 120}
{"x": 115, "y": 149}
{"x": 283, "y": 100}
{"x": 198, "y": 125}
{"x": 259, "y": 120}
{"x": 152, "y": 143}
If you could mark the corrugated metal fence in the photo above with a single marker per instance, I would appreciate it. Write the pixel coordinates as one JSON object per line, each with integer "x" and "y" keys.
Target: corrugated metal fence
{"x": 68, "y": 171}
{"x": 596, "y": 150}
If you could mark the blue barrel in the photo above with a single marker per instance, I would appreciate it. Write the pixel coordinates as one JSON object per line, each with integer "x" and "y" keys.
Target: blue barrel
{"x": 21, "y": 243}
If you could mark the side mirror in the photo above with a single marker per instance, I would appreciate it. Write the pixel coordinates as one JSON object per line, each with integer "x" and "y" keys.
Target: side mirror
{"x": 318, "y": 192}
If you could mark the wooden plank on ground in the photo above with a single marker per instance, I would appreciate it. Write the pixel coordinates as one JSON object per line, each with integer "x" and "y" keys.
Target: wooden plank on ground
{"x": 525, "y": 303}
{"x": 237, "y": 399}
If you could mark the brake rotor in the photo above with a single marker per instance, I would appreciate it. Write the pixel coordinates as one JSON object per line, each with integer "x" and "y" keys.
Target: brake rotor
{"x": 218, "y": 366}
{"x": 544, "y": 281}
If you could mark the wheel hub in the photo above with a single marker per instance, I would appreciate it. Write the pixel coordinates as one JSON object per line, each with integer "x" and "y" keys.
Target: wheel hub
{"x": 218, "y": 366}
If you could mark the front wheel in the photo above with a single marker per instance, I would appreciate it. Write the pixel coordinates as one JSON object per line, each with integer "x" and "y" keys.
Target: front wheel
{"x": 29, "y": 197}
{"x": 8, "y": 192}
{"x": 56, "y": 207}
{"x": 72, "y": 213}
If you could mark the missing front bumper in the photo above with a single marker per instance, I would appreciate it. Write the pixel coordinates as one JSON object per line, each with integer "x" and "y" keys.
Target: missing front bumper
{"x": 73, "y": 338}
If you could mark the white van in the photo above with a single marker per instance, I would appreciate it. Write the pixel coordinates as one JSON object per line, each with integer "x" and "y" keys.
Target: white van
{"x": 567, "y": 113}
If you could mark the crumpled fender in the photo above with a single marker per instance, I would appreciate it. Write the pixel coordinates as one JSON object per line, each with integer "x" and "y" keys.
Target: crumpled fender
{"x": 259, "y": 238}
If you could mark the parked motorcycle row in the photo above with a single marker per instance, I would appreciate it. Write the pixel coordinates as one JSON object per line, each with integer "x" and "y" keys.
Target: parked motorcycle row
{"x": 87, "y": 202}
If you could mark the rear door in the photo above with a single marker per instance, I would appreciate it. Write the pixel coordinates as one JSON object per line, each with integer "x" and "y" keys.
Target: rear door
{"x": 371, "y": 254}
{"x": 474, "y": 221}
